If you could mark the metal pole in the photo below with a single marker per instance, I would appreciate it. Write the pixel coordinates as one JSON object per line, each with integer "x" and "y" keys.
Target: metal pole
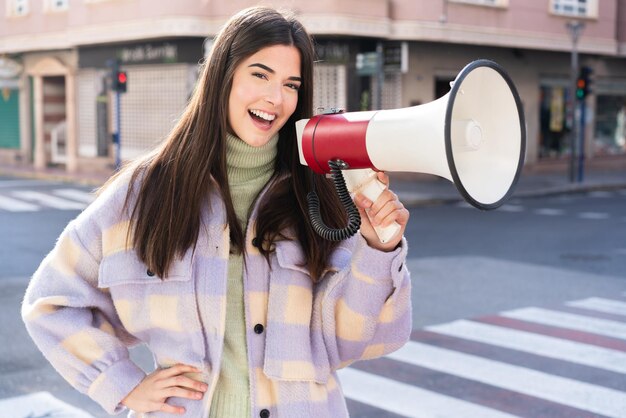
{"x": 114, "y": 65}
{"x": 575, "y": 28}
{"x": 380, "y": 75}
{"x": 118, "y": 128}
{"x": 581, "y": 142}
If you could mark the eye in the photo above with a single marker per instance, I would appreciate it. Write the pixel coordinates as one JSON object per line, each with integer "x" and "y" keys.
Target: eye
{"x": 260, "y": 75}
{"x": 293, "y": 86}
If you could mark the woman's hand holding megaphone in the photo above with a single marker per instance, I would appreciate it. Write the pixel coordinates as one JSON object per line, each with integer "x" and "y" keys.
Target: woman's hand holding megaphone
{"x": 383, "y": 212}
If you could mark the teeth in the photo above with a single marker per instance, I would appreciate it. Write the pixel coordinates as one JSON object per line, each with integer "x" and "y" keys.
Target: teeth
{"x": 263, "y": 115}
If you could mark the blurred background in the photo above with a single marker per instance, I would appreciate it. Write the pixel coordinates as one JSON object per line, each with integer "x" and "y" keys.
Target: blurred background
{"x": 517, "y": 312}
{"x": 58, "y": 108}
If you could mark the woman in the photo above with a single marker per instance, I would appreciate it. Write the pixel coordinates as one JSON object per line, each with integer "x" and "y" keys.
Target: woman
{"x": 203, "y": 251}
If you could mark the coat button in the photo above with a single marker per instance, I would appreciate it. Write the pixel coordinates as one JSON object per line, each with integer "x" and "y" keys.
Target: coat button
{"x": 258, "y": 328}
{"x": 264, "y": 413}
{"x": 150, "y": 273}
{"x": 400, "y": 268}
{"x": 255, "y": 242}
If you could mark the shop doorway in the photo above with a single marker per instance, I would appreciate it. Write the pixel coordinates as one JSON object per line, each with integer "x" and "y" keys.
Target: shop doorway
{"x": 9, "y": 117}
{"x": 54, "y": 119}
{"x": 554, "y": 135}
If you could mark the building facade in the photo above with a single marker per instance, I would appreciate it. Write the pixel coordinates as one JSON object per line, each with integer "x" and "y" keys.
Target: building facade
{"x": 57, "y": 107}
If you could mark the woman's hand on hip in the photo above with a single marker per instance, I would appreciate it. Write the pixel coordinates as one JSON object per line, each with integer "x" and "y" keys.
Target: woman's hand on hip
{"x": 154, "y": 390}
{"x": 386, "y": 210}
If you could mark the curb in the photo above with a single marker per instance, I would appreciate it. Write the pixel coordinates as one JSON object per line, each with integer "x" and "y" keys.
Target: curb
{"x": 38, "y": 175}
{"x": 575, "y": 188}
{"x": 409, "y": 200}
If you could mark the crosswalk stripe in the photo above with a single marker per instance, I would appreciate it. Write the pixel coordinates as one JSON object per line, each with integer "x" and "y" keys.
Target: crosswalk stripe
{"x": 486, "y": 395}
{"x": 571, "y": 321}
{"x": 23, "y": 183}
{"x": 556, "y": 332}
{"x": 594, "y": 314}
{"x": 600, "y": 194}
{"x": 536, "y": 344}
{"x": 601, "y": 305}
{"x": 48, "y": 200}
{"x": 549, "y": 211}
{"x": 74, "y": 194}
{"x": 593, "y": 215}
{"x": 408, "y": 400}
{"x": 511, "y": 208}
{"x": 15, "y": 205}
{"x": 565, "y": 391}
{"x": 39, "y": 404}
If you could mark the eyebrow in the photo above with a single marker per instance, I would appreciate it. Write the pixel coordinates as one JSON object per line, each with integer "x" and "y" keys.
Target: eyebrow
{"x": 269, "y": 70}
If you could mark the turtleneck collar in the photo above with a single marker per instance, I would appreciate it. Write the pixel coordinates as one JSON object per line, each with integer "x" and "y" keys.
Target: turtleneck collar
{"x": 245, "y": 162}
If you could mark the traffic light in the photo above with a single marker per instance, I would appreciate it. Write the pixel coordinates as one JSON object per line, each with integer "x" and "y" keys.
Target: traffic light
{"x": 120, "y": 80}
{"x": 583, "y": 83}
{"x": 580, "y": 88}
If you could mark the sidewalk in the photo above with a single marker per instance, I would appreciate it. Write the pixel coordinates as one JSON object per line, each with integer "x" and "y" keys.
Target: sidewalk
{"x": 423, "y": 190}
{"x": 95, "y": 179}
{"x": 413, "y": 189}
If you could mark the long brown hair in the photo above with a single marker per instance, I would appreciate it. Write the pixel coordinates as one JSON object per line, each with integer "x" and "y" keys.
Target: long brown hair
{"x": 176, "y": 178}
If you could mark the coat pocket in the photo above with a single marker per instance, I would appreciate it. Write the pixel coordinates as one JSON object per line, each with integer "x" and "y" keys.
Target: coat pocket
{"x": 161, "y": 312}
{"x": 125, "y": 267}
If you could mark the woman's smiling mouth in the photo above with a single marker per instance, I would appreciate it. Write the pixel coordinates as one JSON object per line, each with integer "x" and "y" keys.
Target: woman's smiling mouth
{"x": 262, "y": 118}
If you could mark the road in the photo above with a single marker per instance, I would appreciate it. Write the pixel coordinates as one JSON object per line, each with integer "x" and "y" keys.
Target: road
{"x": 517, "y": 312}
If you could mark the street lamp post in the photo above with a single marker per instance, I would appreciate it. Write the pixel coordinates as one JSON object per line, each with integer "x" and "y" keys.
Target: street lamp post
{"x": 575, "y": 29}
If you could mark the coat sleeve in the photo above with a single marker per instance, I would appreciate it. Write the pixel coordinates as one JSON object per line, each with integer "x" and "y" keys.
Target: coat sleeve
{"x": 73, "y": 322}
{"x": 366, "y": 306}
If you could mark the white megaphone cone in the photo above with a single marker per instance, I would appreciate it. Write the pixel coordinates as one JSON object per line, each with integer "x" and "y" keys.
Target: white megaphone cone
{"x": 474, "y": 136}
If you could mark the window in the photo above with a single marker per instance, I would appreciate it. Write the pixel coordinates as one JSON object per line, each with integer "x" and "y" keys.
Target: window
{"x": 610, "y": 124}
{"x": 17, "y": 8}
{"x": 579, "y": 8}
{"x": 56, "y": 5}
{"x": 330, "y": 87}
{"x": 492, "y": 3}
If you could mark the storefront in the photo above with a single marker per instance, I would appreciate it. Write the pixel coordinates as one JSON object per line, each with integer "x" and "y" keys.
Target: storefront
{"x": 161, "y": 78}
{"x": 604, "y": 120}
{"x": 331, "y": 75}
{"x": 338, "y": 83}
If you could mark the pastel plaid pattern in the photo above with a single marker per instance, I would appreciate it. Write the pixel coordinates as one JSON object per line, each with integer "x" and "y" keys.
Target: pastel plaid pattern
{"x": 92, "y": 298}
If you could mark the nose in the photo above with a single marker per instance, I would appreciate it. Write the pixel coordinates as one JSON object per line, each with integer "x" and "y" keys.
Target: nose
{"x": 274, "y": 94}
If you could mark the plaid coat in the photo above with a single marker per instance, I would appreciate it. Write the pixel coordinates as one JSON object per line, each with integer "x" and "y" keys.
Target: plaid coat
{"x": 92, "y": 298}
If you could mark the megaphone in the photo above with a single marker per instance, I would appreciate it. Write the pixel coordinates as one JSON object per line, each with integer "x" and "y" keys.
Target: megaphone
{"x": 474, "y": 136}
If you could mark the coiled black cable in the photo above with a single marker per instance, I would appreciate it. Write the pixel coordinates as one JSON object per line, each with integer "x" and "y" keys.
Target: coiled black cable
{"x": 354, "y": 218}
